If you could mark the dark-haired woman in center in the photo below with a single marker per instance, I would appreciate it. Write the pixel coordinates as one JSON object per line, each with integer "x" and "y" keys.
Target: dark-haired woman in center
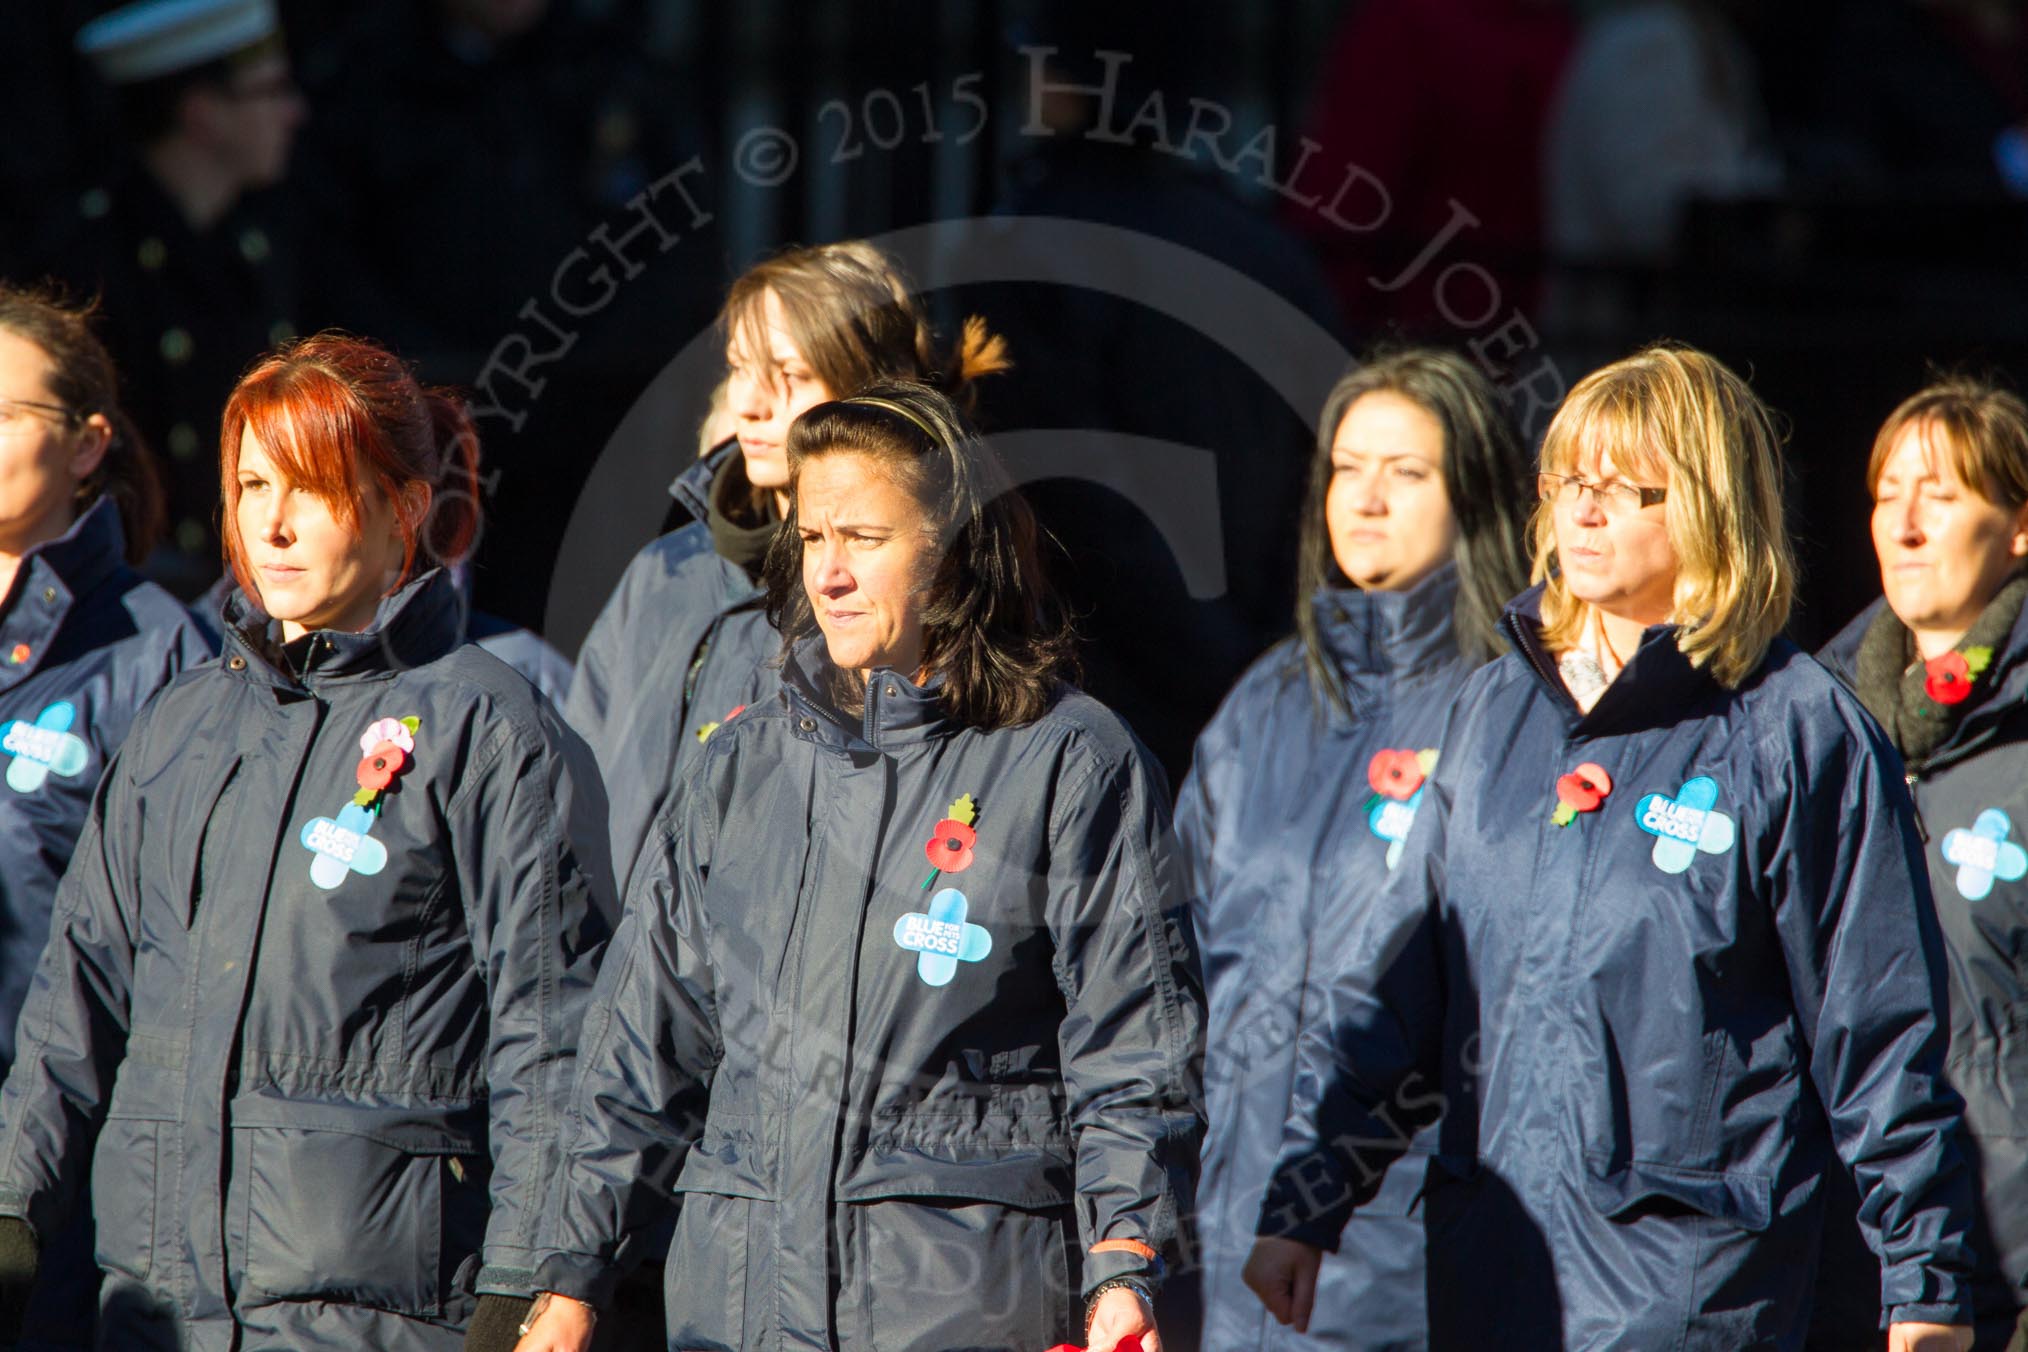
{"x": 1413, "y": 539}
{"x": 317, "y": 964}
{"x": 904, "y": 993}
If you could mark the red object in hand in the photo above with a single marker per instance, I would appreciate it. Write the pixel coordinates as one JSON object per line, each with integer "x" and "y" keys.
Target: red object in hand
{"x": 1130, "y": 1343}
{"x": 1948, "y": 679}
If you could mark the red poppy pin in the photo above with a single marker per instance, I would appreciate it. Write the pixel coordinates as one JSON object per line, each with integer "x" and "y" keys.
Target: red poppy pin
{"x": 20, "y": 654}
{"x": 1948, "y": 679}
{"x": 1395, "y": 774}
{"x": 704, "y": 732}
{"x": 949, "y": 849}
{"x": 388, "y": 745}
{"x": 1582, "y": 790}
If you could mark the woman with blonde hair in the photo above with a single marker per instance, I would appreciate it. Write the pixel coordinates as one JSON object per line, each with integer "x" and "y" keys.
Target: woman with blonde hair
{"x": 1659, "y": 949}
{"x": 678, "y": 648}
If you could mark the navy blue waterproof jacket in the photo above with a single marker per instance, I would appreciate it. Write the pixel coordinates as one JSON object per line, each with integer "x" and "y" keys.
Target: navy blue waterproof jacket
{"x": 84, "y": 642}
{"x": 309, "y": 1050}
{"x": 678, "y": 647}
{"x": 1280, "y": 812}
{"x": 1971, "y": 800}
{"x": 1650, "y": 1031}
{"x": 902, "y": 1104}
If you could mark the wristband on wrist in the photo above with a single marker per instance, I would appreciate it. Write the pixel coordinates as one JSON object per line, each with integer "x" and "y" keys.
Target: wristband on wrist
{"x": 1133, "y": 1284}
{"x": 542, "y": 1299}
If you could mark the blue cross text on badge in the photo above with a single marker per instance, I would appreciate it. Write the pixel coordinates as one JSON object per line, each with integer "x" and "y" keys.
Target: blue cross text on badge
{"x": 43, "y": 748}
{"x": 343, "y": 846}
{"x": 1390, "y": 820}
{"x": 1983, "y": 854}
{"x": 942, "y": 939}
{"x": 1685, "y": 824}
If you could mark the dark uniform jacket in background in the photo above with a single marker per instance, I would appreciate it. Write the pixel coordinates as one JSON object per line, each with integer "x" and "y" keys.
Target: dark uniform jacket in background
{"x": 186, "y": 312}
{"x": 677, "y": 648}
{"x": 320, "y": 1054}
{"x": 1280, "y": 811}
{"x": 1647, "y": 1028}
{"x": 903, "y": 1108}
{"x": 1971, "y": 800}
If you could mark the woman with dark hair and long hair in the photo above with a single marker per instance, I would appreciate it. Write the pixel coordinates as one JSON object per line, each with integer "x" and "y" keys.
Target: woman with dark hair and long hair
{"x": 904, "y": 992}
{"x": 1413, "y": 538}
{"x": 680, "y": 644}
{"x": 84, "y": 642}
{"x": 317, "y": 964}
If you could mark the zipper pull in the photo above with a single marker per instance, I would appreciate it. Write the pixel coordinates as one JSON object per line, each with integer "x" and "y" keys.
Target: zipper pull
{"x": 1921, "y": 831}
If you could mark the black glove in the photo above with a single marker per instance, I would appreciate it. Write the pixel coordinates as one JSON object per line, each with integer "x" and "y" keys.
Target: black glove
{"x": 496, "y": 1326}
{"x": 18, "y": 1258}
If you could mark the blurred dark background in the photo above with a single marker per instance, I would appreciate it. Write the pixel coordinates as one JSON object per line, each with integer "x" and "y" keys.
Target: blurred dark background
{"x": 542, "y": 200}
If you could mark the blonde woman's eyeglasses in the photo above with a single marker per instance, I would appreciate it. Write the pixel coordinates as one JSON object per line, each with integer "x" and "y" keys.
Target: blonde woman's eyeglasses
{"x": 1566, "y": 490}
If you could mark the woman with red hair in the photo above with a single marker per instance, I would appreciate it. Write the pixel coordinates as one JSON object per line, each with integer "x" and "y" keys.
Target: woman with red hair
{"x": 317, "y": 963}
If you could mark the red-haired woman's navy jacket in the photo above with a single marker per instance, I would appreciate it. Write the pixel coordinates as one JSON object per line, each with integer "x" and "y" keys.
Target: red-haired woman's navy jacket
{"x": 1650, "y": 1030}
{"x": 1292, "y": 800}
{"x": 312, "y": 992}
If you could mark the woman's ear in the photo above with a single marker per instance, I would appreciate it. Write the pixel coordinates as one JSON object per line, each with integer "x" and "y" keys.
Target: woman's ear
{"x": 2018, "y": 546}
{"x": 414, "y": 507}
{"x": 94, "y": 437}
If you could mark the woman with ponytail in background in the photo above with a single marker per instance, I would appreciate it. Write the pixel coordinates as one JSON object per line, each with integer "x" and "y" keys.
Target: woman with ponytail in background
{"x": 317, "y": 963}
{"x": 678, "y": 649}
{"x": 84, "y": 642}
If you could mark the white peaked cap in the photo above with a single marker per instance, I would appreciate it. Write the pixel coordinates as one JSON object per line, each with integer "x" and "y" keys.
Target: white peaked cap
{"x": 150, "y": 38}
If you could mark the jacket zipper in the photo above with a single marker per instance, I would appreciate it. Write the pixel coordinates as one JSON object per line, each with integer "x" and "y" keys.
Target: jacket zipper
{"x": 1921, "y": 831}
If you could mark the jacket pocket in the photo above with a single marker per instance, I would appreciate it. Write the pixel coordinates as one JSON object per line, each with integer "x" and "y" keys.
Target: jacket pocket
{"x": 726, "y": 1162}
{"x": 126, "y": 1177}
{"x": 209, "y": 849}
{"x": 1033, "y": 1178}
{"x": 1630, "y": 1191}
{"x": 358, "y": 1202}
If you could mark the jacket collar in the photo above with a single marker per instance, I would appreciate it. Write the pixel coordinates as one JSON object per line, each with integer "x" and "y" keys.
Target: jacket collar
{"x": 1371, "y": 633}
{"x": 1657, "y": 686}
{"x": 898, "y": 711}
{"x": 416, "y": 624}
{"x": 692, "y": 488}
{"x": 2009, "y": 671}
{"x": 52, "y": 579}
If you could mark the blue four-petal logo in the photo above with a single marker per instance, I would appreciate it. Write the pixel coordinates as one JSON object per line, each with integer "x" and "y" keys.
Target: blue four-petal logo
{"x": 1390, "y": 820}
{"x": 1685, "y": 825}
{"x": 343, "y": 846}
{"x": 43, "y": 748}
{"x": 943, "y": 938}
{"x": 1983, "y": 854}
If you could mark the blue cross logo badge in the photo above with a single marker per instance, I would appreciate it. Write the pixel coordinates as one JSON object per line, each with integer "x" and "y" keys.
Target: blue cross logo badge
{"x": 1390, "y": 820}
{"x": 1685, "y": 825}
{"x": 43, "y": 748}
{"x": 343, "y": 846}
{"x": 1983, "y": 854}
{"x": 943, "y": 938}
